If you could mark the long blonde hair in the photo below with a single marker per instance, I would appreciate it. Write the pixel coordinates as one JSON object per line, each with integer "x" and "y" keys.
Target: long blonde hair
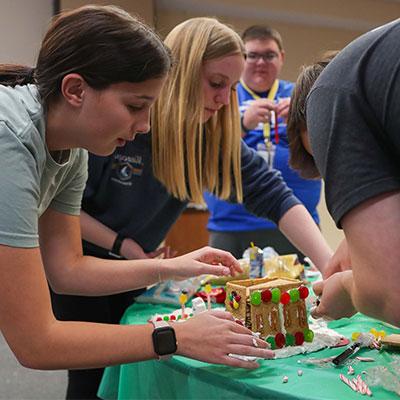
{"x": 189, "y": 156}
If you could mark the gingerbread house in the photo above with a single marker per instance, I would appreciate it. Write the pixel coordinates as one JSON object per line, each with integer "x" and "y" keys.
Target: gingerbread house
{"x": 275, "y": 308}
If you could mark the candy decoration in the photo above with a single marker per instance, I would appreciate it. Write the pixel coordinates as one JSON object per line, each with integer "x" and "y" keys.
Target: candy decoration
{"x": 348, "y": 382}
{"x": 237, "y": 298}
{"x": 266, "y": 296}
{"x": 159, "y": 319}
{"x": 255, "y": 298}
{"x": 380, "y": 334}
{"x": 356, "y": 384}
{"x": 280, "y": 340}
{"x": 183, "y": 297}
{"x": 299, "y": 338}
{"x": 355, "y": 336}
{"x": 304, "y": 292}
{"x": 308, "y": 335}
{"x": 182, "y": 301}
{"x": 172, "y": 317}
{"x": 207, "y": 289}
{"x": 271, "y": 341}
{"x": 166, "y": 318}
{"x": 235, "y": 304}
{"x": 285, "y": 379}
{"x": 289, "y": 339}
{"x": 300, "y": 372}
{"x": 294, "y": 295}
{"x": 285, "y": 298}
{"x": 276, "y": 295}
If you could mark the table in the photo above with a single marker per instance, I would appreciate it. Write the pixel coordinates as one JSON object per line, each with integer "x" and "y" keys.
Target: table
{"x": 183, "y": 378}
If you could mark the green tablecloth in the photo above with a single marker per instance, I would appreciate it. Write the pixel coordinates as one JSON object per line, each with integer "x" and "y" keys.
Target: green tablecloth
{"x": 183, "y": 378}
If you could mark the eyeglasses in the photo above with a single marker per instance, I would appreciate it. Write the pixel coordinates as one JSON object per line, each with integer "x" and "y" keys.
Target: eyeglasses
{"x": 253, "y": 57}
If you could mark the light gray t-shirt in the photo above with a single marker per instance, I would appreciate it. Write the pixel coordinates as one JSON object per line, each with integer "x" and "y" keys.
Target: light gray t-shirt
{"x": 30, "y": 179}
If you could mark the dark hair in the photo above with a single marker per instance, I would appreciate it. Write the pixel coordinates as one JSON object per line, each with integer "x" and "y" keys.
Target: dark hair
{"x": 300, "y": 158}
{"x": 262, "y": 32}
{"x": 104, "y": 44}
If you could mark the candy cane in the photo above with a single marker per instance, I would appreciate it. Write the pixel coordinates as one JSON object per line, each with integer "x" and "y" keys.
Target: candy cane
{"x": 348, "y": 382}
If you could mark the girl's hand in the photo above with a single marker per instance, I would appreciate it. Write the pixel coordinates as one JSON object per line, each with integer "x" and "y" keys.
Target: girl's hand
{"x": 203, "y": 261}
{"x": 212, "y": 335}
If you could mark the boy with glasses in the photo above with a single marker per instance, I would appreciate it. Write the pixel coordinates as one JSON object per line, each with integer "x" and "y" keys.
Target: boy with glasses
{"x": 264, "y": 102}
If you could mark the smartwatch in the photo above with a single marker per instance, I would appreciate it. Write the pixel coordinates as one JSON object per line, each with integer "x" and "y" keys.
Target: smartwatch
{"x": 116, "y": 248}
{"x": 164, "y": 340}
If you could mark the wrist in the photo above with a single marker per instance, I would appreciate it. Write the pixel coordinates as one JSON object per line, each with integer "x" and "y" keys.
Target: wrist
{"x": 243, "y": 126}
{"x": 116, "y": 247}
{"x": 181, "y": 338}
{"x": 346, "y": 279}
{"x": 164, "y": 339}
{"x": 165, "y": 270}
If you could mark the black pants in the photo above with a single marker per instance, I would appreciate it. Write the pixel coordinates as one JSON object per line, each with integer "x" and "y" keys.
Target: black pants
{"x": 83, "y": 384}
{"x": 238, "y": 242}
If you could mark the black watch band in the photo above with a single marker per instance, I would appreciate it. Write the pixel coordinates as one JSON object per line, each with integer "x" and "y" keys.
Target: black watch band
{"x": 116, "y": 248}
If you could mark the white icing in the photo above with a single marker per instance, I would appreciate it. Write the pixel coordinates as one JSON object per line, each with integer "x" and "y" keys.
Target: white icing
{"x": 281, "y": 319}
{"x": 188, "y": 311}
{"x": 323, "y": 337}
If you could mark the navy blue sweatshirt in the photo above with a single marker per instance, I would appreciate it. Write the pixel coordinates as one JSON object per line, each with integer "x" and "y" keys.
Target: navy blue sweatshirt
{"x": 123, "y": 194}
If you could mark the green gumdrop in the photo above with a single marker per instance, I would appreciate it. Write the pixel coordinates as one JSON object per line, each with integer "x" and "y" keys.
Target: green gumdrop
{"x": 294, "y": 295}
{"x": 255, "y": 298}
{"x": 179, "y": 316}
{"x": 308, "y": 335}
{"x": 166, "y": 318}
{"x": 289, "y": 339}
{"x": 271, "y": 341}
{"x": 276, "y": 295}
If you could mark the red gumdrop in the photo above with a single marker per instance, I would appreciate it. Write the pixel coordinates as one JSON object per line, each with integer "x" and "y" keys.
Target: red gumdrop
{"x": 266, "y": 296}
{"x": 237, "y": 298}
{"x": 280, "y": 340}
{"x": 159, "y": 319}
{"x": 299, "y": 338}
{"x": 231, "y": 303}
{"x": 303, "y": 290}
{"x": 285, "y": 298}
{"x": 172, "y": 317}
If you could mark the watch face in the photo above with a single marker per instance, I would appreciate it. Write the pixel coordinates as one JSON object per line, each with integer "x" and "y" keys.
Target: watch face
{"x": 164, "y": 341}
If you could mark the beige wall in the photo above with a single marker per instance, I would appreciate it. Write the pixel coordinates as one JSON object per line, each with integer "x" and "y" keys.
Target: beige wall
{"x": 22, "y": 26}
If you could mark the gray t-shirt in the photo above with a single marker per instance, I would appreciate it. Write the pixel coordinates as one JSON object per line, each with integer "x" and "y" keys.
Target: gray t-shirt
{"x": 30, "y": 179}
{"x": 353, "y": 119}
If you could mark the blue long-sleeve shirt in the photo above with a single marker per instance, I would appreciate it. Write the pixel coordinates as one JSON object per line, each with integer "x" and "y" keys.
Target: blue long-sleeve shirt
{"x": 123, "y": 194}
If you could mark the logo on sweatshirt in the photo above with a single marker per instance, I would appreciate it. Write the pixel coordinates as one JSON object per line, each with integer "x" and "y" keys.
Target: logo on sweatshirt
{"x": 125, "y": 168}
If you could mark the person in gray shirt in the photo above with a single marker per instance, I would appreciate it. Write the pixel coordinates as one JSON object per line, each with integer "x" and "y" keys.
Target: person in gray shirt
{"x": 353, "y": 120}
{"x": 98, "y": 73}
